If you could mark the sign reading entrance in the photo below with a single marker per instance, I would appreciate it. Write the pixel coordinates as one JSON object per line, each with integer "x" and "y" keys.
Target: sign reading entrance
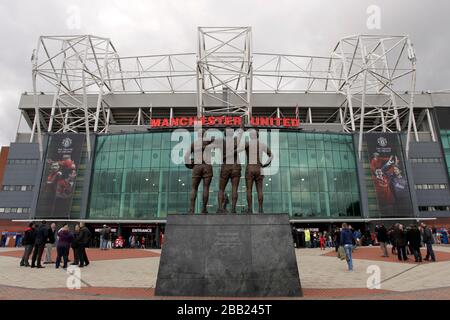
{"x": 223, "y": 121}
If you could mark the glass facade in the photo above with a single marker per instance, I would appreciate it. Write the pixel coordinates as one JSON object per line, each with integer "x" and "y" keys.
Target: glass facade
{"x": 445, "y": 138}
{"x": 134, "y": 178}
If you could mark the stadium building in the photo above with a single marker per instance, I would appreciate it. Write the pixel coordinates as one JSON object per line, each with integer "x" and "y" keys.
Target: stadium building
{"x": 356, "y": 140}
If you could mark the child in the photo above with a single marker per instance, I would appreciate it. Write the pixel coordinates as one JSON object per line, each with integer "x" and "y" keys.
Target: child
{"x": 322, "y": 241}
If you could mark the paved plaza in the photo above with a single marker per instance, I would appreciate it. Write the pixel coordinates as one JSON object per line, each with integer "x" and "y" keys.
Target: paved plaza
{"x": 131, "y": 274}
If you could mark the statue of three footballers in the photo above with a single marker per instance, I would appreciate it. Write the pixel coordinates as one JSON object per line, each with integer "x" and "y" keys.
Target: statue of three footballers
{"x": 230, "y": 169}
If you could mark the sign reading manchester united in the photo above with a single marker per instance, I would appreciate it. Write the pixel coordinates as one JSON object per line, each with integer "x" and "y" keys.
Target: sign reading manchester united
{"x": 226, "y": 121}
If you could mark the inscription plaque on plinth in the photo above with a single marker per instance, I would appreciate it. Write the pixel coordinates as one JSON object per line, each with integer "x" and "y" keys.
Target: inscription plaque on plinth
{"x": 228, "y": 256}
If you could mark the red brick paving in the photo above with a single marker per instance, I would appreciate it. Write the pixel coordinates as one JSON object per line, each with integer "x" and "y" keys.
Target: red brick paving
{"x": 374, "y": 253}
{"x": 142, "y": 293}
{"x": 94, "y": 293}
{"x": 96, "y": 254}
{"x": 340, "y": 293}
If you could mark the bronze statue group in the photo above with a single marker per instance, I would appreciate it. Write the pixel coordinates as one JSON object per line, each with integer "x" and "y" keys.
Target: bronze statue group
{"x": 199, "y": 156}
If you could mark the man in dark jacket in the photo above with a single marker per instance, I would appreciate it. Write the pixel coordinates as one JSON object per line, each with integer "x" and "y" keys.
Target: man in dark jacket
{"x": 414, "y": 239}
{"x": 74, "y": 245}
{"x": 400, "y": 240}
{"x": 428, "y": 240}
{"x": 336, "y": 238}
{"x": 51, "y": 239}
{"x": 346, "y": 240}
{"x": 82, "y": 242}
{"x": 105, "y": 236}
{"x": 29, "y": 237}
{"x": 382, "y": 237}
{"x": 39, "y": 245}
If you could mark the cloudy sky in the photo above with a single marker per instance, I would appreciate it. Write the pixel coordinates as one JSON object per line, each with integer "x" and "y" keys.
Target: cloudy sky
{"x": 163, "y": 26}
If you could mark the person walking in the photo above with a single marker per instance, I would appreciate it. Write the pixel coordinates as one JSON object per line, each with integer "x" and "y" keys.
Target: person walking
{"x": 322, "y": 241}
{"x": 414, "y": 238}
{"x": 105, "y": 235}
{"x": 28, "y": 240}
{"x": 65, "y": 239}
{"x": 346, "y": 240}
{"x": 392, "y": 240}
{"x": 400, "y": 240}
{"x": 74, "y": 245}
{"x": 50, "y": 243}
{"x": 428, "y": 240}
{"x": 337, "y": 238}
{"x": 39, "y": 245}
{"x": 143, "y": 242}
{"x": 82, "y": 242}
{"x": 358, "y": 236}
{"x": 382, "y": 237}
{"x": 308, "y": 238}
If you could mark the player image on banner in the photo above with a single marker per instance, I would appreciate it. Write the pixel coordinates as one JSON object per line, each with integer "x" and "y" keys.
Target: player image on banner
{"x": 387, "y": 172}
{"x": 59, "y": 176}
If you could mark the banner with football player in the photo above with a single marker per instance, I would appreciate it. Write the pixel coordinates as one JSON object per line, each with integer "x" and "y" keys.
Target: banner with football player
{"x": 388, "y": 175}
{"x": 59, "y": 175}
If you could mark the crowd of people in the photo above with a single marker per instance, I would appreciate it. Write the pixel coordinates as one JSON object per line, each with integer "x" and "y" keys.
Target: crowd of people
{"x": 38, "y": 238}
{"x": 404, "y": 241}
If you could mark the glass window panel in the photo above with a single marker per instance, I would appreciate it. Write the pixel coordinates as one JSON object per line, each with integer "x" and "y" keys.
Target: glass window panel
{"x": 301, "y": 138}
{"x": 130, "y": 142}
{"x": 138, "y": 141}
{"x": 324, "y": 204}
{"x": 146, "y": 158}
{"x": 121, "y": 142}
{"x": 320, "y": 159}
{"x": 306, "y": 204}
{"x": 337, "y": 159}
{"x": 295, "y": 179}
{"x": 113, "y": 142}
{"x": 303, "y": 180}
{"x": 137, "y": 159}
{"x": 313, "y": 183}
{"x": 156, "y": 141}
{"x": 296, "y": 204}
{"x": 274, "y": 180}
{"x": 120, "y": 159}
{"x": 156, "y": 157}
{"x": 322, "y": 180}
{"x": 292, "y": 140}
{"x": 344, "y": 159}
{"x": 284, "y": 158}
{"x": 328, "y": 155}
{"x": 112, "y": 160}
{"x": 293, "y": 158}
{"x": 303, "y": 158}
{"x": 312, "y": 158}
{"x": 315, "y": 204}
{"x": 283, "y": 140}
{"x": 310, "y": 142}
